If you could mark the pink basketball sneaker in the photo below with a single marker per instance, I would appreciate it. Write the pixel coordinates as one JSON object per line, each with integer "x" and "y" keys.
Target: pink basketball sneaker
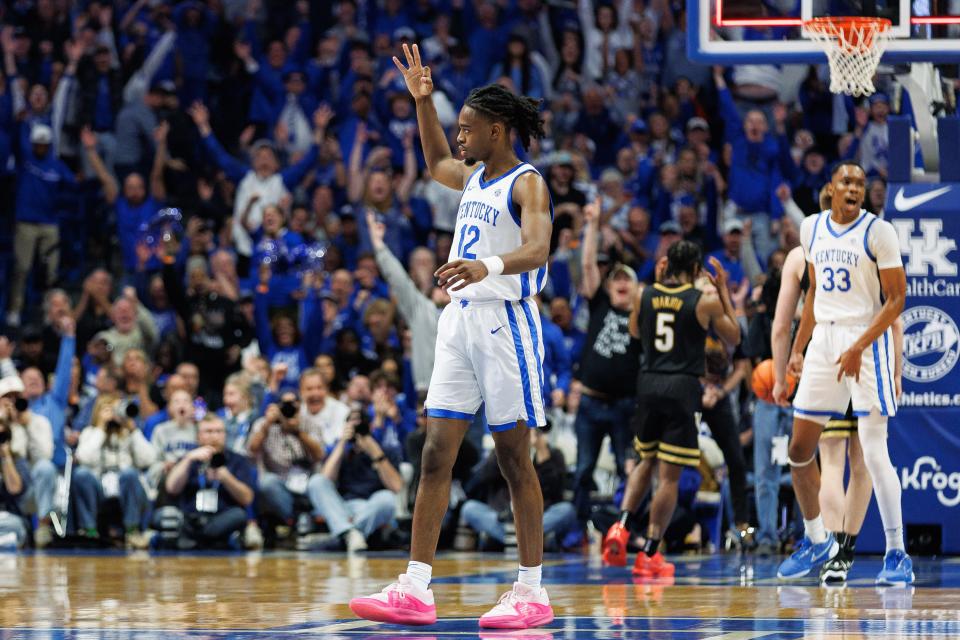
{"x": 400, "y": 603}
{"x": 520, "y": 608}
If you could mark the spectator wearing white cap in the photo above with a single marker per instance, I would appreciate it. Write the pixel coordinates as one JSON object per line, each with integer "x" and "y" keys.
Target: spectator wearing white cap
{"x": 42, "y": 179}
{"x": 14, "y": 479}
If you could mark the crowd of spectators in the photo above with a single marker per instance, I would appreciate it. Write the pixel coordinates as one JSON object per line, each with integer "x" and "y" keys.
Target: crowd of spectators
{"x": 220, "y": 240}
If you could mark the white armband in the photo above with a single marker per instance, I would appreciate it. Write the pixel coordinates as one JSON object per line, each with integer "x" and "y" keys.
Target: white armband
{"x": 494, "y": 265}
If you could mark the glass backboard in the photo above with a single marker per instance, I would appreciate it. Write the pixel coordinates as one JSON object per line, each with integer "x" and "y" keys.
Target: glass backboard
{"x": 771, "y": 31}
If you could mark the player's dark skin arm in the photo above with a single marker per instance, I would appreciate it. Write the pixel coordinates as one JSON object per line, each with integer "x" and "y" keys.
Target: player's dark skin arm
{"x": 436, "y": 150}
{"x": 717, "y": 309}
{"x": 530, "y": 193}
{"x": 893, "y": 282}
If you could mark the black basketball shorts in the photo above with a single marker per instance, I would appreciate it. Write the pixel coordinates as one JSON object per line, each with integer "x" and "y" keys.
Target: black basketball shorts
{"x": 666, "y": 419}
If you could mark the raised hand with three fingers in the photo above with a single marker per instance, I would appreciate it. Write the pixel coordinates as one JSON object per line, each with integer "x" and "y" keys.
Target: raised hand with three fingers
{"x": 418, "y": 78}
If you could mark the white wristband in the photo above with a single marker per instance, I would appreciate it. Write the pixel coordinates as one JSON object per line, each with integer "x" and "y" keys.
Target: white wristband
{"x": 494, "y": 265}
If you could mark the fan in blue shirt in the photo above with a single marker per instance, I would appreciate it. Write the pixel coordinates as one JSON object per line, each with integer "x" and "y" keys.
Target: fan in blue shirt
{"x": 134, "y": 206}
{"x": 279, "y": 341}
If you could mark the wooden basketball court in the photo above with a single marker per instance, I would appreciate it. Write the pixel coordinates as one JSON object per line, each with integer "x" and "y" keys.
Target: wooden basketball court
{"x": 290, "y": 595}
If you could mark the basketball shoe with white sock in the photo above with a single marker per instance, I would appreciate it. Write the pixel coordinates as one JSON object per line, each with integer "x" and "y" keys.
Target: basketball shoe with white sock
{"x": 522, "y": 607}
{"x": 400, "y": 603}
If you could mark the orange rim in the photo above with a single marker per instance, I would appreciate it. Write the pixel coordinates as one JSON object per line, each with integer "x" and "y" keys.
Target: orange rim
{"x": 849, "y": 25}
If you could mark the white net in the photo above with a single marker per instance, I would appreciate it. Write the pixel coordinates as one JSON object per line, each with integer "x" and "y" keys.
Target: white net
{"x": 854, "y": 47}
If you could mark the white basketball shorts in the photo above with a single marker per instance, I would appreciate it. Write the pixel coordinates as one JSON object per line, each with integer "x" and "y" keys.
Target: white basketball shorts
{"x": 819, "y": 395}
{"x": 490, "y": 353}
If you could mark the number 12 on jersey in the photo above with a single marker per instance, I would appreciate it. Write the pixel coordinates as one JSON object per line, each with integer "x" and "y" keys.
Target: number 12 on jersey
{"x": 664, "y": 332}
{"x": 463, "y": 251}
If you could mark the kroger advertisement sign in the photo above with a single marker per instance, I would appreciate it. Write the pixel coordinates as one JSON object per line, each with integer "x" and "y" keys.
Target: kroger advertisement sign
{"x": 928, "y": 475}
{"x": 924, "y": 438}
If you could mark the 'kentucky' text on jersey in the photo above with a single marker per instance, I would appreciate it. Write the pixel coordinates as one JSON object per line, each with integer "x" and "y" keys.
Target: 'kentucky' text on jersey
{"x": 488, "y": 224}
{"x": 846, "y": 261}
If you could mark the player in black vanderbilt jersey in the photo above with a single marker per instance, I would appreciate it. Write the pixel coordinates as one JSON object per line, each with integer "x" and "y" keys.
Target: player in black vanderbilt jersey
{"x": 671, "y": 319}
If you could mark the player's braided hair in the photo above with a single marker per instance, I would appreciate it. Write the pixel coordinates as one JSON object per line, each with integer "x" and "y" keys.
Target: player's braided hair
{"x": 683, "y": 257}
{"x": 520, "y": 113}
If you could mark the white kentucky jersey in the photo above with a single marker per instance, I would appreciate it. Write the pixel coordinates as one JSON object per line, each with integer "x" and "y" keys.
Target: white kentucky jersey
{"x": 847, "y": 260}
{"x": 488, "y": 224}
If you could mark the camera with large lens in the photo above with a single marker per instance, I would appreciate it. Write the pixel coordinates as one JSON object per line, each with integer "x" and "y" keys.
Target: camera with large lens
{"x": 114, "y": 426}
{"x": 129, "y": 409}
{"x": 218, "y": 460}
{"x": 21, "y": 404}
{"x": 289, "y": 408}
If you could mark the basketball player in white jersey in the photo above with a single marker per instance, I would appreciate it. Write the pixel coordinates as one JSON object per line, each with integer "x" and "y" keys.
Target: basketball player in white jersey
{"x": 489, "y": 344}
{"x": 856, "y": 293}
{"x": 844, "y": 508}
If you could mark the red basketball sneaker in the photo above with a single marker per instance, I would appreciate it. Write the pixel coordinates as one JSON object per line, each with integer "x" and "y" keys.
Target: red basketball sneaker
{"x": 652, "y": 566}
{"x": 615, "y": 546}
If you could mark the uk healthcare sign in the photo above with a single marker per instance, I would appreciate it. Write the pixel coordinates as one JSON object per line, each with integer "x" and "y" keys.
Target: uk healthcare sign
{"x": 924, "y": 438}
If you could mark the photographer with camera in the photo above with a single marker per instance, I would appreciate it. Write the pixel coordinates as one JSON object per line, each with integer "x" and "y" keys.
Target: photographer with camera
{"x": 14, "y": 474}
{"x": 357, "y": 492}
{"x": 110, "y": 457}
{"x": 214, "y": 487}
{"x": 47, "y": 414}
{"x": 289, "y": 450}
{"x": 32, "y": 440}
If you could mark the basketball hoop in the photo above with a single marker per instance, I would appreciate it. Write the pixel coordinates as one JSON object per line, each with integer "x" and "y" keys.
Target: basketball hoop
{"x": 854, "y": 47}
